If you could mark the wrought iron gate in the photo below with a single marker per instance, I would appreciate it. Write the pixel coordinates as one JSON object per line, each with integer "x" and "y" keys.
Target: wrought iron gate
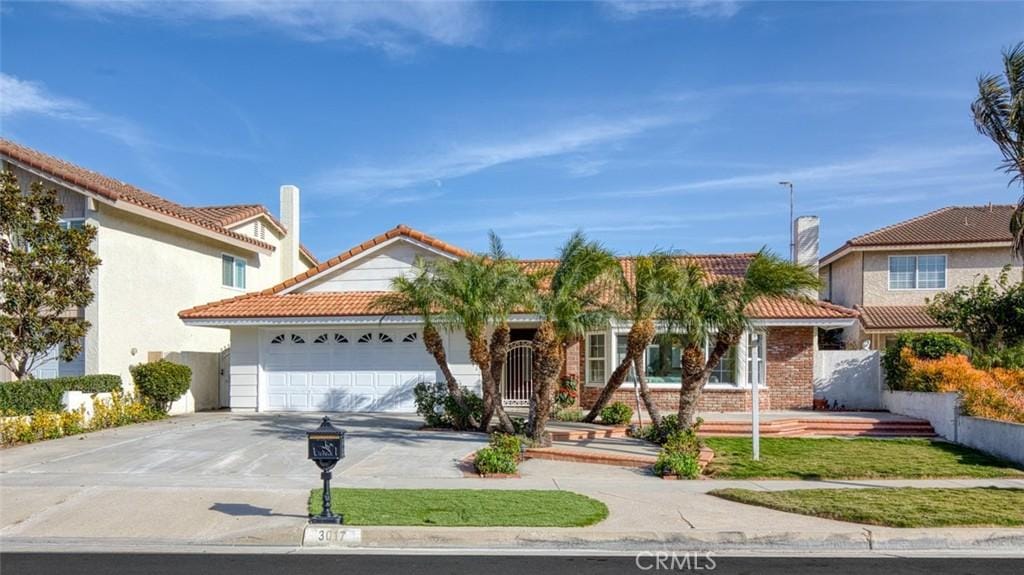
{"x": 517, "y": 378}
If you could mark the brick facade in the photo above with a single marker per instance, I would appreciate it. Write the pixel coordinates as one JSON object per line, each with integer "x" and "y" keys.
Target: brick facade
{"x": 790, "y": 379}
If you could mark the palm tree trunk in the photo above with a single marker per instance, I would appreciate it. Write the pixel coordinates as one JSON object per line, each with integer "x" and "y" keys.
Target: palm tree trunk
{"x": 480, "y": 354}
{"x": 696, "y": 372}
{"x": 499, "y": 353}
{"x": 640, "y": 334}
{"x": 435, "y": 347}
{"x": 547, "y": 365}
{"x": 645, "y": 392}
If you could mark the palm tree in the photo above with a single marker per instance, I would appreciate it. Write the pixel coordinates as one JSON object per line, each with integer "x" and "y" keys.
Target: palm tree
{"x": 999, "y": 114}
{"x": 473, "y": 298}
{"x": 642, "y": 301}
{"x": 573, "y": 303}
{"x": 417, "y": 294}
{"x": 704, "y": 309}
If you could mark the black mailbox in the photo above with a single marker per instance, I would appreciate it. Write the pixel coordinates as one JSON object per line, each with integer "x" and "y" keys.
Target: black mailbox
{"x": 326, "y": 445}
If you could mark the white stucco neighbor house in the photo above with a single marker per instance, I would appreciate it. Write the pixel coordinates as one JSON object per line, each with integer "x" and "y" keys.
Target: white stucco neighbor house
{"x": 315, "y": 343}
{"x": 159, "y": 257}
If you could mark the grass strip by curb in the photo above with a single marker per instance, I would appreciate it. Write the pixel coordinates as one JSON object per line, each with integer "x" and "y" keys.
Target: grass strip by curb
{"x": 462, "y": 507}
{"x": 861, "y": 458}
{"x": 895, "y": 507}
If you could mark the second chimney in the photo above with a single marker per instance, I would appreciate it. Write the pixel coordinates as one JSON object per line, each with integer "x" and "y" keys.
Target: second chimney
{"x": 805, "y": 242}
{"x": 290, "y": 263}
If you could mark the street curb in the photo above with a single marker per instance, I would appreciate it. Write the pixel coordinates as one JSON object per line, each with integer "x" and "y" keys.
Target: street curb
{"x": 865, "y": 539}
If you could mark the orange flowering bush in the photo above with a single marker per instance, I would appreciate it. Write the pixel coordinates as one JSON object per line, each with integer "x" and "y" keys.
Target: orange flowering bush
{"x": 995, "y": 394}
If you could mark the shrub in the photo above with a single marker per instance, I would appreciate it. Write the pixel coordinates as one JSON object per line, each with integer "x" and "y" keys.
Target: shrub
{"x": 439, "y": 409}
{"x": 566, "y": 395}
{"x": 684, "y": 441}
{"x": 161, "y": 382}
{"x": 122, "y": 409}
{"x": 28, "y": 395}
{"x": 15, "y": 429}
{"x": 678, "y": 464}
{"x": 921, "y": 346}
{"x": 490, "y": 460}
{"x": 995, "y": 394}
{"x": 659, "y": 432}
{"x": 569, "y": 414}
{"x": 510, "y": 444}
{"x": 617, "y": 413}
{"x": 119, "y": 410}
{"x": 1007, "y": 358}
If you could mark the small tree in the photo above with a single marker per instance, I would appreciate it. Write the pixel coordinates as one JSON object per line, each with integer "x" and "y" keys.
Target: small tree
{"x": 989, "y": 314}
{"x": 44, "y": 274}
{"x": 161, "y": 382}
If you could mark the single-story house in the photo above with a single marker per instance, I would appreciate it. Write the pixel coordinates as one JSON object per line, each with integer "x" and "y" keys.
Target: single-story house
{"x": 314, "y": 342}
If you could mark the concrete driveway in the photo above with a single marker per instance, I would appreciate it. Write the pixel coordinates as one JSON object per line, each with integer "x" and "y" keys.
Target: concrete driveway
{"x": 208, "y": 477}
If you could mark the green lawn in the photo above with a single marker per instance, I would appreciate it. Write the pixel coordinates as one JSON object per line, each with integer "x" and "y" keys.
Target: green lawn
{"x": 902, "y": 507}
{"x": 830, "y": 458}
{"x": 462, "y": 507}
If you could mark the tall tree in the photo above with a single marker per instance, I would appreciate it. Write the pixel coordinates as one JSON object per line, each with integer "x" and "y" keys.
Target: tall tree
{"x": 712, "y": 310}
{"x": 416, "y": 294}
{"x": 45, "y": 271}
{"x": 641, "y": 302}
{"x": 472, "y": 299}
{"x": 999, "y": 114}
{"x": 574, "y": 301}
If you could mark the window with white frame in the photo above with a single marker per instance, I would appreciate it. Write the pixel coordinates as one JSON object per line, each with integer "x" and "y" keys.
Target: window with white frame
{"x": 725, "y": 371}
{"x": 621, "y": 345}
{"x": 917, "y": 272}
{"x": 72, "y": 223}
{"x": 596, "y": 358}
{"x": 232, "y": 271}
{"x": 663, "y": 360}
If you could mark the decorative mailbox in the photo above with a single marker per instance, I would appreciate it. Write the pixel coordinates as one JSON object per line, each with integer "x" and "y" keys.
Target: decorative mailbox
{"x": 326, "y": 447}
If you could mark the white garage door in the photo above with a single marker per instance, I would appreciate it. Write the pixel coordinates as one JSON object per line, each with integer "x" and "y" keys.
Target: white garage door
{"x": 344, "y": 370}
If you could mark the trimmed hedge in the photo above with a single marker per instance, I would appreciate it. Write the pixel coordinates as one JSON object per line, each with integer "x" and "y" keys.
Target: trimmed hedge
{"x": 161, "y": 382}
{"x": 28, "y": 395}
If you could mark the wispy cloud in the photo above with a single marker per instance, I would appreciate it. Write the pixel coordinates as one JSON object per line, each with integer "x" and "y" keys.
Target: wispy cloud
{"x": 25, "y": 97}
{"x": 395, "y": 27}
{"x": 463, "y": 160}
{"x": 817, "y": 89}
{"x": 697, "y": 8}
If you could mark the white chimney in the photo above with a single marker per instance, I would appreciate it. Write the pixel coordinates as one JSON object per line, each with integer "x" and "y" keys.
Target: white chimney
{"x": 290, "y": 264}
{"x": 805, "y": 242}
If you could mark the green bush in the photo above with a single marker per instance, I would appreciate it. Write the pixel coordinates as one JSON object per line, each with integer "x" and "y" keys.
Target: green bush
{"x": 678, "y": 464}
{"x": 439, "y": 409}
{"x": 569, "y": 414}
{"x": 121, "y": 409}
{"x": 510, "y": 444}
{"x": 491, "y": 460}
{"x": 161, "y": 382}
{"x": 658, "y": 433}
{"x": 1008, "y": 358}
{"x": 28, "y": 395}
{"x": 617, "y": 413}
{"x": 922, "y": 346}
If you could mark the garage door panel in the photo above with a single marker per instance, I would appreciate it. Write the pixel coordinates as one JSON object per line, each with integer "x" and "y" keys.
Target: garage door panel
{"x": 339, "y": 373}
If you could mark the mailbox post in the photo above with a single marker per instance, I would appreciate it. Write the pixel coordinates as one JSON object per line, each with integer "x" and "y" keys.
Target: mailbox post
{"x": 326, "y": 449}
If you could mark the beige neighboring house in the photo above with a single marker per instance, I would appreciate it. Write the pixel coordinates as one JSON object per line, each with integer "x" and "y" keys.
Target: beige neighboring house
{"x": 889, "y": 274}
{"x": 160, "y": 257}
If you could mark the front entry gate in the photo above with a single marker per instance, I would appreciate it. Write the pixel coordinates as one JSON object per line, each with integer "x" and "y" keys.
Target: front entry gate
{"x": 517, "y": 379}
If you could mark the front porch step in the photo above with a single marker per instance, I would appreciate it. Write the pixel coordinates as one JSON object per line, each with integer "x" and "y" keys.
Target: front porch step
{"x": 794, "y": 427}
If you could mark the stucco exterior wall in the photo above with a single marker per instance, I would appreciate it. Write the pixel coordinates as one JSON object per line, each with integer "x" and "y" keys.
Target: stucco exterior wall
{"x": 150, "y": 271}
{"x": 964, "y": 267}
{"x": 845, "y": 282}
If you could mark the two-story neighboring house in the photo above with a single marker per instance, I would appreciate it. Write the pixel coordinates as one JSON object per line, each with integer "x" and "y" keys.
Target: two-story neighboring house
{"x": 157, "y": 258}
{"x": 889, "y": 274}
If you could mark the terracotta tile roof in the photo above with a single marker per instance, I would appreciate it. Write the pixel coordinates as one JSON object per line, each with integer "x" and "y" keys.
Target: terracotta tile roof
{"x": 272, "y": 303}
{"x": 949, "y": 225}
{"x": 228, "y": 215}
{"x": 896, "y": 317}
{"x": 788, "y": 308}
{"x": 111, "y": 189}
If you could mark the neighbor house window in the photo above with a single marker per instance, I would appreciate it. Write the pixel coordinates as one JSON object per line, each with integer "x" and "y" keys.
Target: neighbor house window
{"x": 917, "y": 272}
{"x": 72, "y": 223}
{"x": 621, "y": 344}
{"x": 595, "y": 358}
{"x": 233, "y": 271}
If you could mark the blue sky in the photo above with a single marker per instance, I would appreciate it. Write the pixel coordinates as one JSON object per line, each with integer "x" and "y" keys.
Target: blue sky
{"x": 646, "y": 124}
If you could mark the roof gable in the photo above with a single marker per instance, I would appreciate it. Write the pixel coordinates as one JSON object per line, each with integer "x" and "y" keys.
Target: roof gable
{"x": 950, "y": 225}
